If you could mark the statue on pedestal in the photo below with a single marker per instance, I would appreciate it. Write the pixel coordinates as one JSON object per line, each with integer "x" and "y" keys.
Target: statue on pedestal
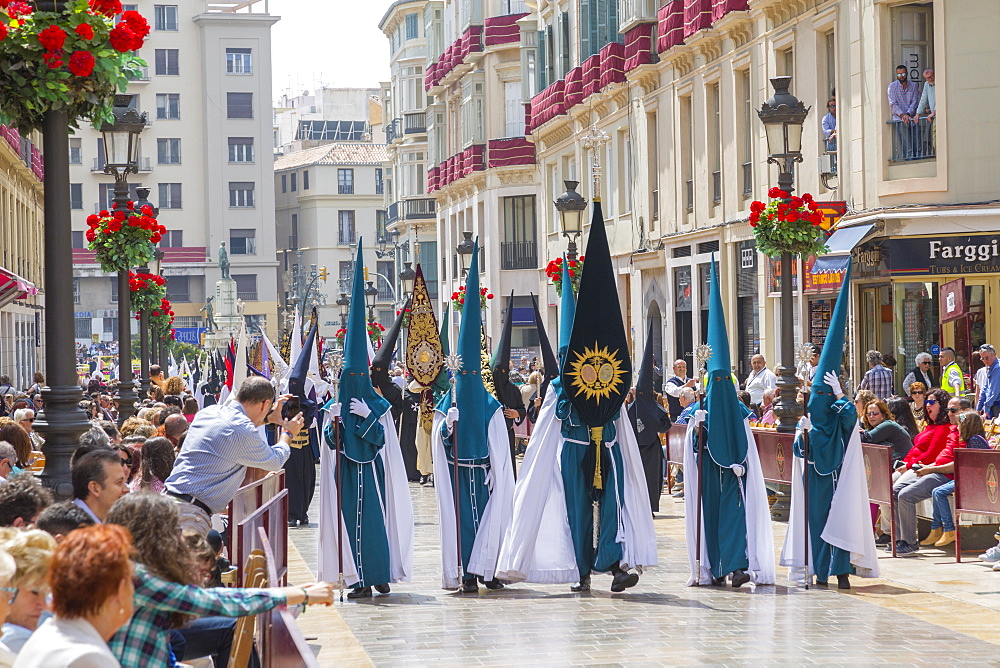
{"x": 209, "y": 310}
{"x": 224, "y": 261}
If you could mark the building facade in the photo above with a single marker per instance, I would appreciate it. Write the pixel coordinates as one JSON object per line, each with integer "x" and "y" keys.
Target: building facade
{"x": 22, "y": 172}
{"x": 675, "y": 91}
{"x": 327, "y": 115}
{"x": 206, "y": 155}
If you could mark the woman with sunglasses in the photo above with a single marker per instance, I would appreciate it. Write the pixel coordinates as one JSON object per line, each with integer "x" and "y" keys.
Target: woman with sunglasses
{"x": 884, "y": 430}
{"x": 918, "y": 392}
{"x": 931, "y": 441}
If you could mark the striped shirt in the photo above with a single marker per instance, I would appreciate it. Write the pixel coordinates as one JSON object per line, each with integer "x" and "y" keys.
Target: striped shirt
{"x": 219, "y": 447}
{"x": 878, "y": 379}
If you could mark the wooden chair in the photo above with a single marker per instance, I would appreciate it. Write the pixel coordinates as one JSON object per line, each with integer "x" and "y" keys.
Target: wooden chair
{"x": 256, "y": 576}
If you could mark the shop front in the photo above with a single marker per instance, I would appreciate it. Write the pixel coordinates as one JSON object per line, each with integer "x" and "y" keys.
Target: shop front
{"x": 921, "y": 293}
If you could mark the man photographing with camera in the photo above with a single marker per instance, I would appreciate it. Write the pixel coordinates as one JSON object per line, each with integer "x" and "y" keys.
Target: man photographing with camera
{"x": 221, "y": 444}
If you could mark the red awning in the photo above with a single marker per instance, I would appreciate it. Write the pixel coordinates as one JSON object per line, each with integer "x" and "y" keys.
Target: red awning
{"x": 13, "y": 287}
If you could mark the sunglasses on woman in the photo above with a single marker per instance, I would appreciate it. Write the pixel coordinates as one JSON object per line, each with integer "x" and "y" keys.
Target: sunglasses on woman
{"x": 930, "y": 402}
{"x": 913, "y": 394}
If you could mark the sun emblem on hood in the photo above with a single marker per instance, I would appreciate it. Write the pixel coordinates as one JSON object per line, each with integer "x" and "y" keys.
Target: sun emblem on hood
{"x": 596, "y": 372}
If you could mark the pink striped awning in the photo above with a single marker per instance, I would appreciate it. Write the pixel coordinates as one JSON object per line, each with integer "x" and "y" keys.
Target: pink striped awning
{"x": 502, "y": 30}
{"x": 511, "y": 151}
{"x": 473, "y": 159}
{"x": 12, "y": 136}
{"x": 722, "y": 7}
{"x": 13, "y": 287}
{"x": 697, "y": 16}
{"x": 638, "y": 46}
{"x": 37, "y": 163}
{"x": 591, "y": 75}
{"x": 670, "y": 25}
{"x": 573, "y": 93}
{"x": 548, "y": 104}
{"x": 180, "y": 254}
{"x": 432, "y": 180}
{"x": 612, "y": 64}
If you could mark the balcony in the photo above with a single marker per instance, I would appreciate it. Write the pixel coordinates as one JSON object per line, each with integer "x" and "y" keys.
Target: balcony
{"x": 141, "y": 76}
{"x": 394, "y": 130}
{"x": 247, "y": 296}
{"x": 518, "y": 255}
{"x": 912, "y": 141}
{"x": 420, "y": 208}
{"x": 392, "y": 213}
{"x": 414, "y": 123}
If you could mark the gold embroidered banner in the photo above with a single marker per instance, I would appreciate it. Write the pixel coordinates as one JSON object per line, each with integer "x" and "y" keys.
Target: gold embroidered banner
{"x": 424, "y": 357}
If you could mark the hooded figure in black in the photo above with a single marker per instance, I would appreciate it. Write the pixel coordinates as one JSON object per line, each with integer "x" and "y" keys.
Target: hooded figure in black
{"x": 649, "y": 419}
{"x": 392, "y": 393}
{"x": 507, "y": 393}
{"x": 300, "y": 469}
{"x": 550, "y": 367}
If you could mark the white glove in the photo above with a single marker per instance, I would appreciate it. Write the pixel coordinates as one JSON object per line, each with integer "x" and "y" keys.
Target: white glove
{"x": 830, "y": 378}
{"x": 360, "y": 408}
{"x": 452, "y": 416}
{"x": 738, "y": 470}
{"x": 700, "y": 416}
{"x": 333, "y": 409}
{"x": 805, "y": 424}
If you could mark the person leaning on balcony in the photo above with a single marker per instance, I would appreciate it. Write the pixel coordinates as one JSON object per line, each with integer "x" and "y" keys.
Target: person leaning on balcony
{"x": 928, "y": 104}
{"x": 903, "y": 97}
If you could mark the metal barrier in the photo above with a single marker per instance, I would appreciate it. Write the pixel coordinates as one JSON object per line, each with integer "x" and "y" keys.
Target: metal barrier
{"x": 878, "y": 475}
{"x": 674, "y": 451}
{"x": 775, "y": 452}
{"x": 281, "y": 641}
{"x": 249, "y": 499}
{"x": 977, "y": 483}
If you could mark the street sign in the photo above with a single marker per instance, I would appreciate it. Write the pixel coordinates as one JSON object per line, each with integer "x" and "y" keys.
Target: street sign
{"x": 935, "y": 349}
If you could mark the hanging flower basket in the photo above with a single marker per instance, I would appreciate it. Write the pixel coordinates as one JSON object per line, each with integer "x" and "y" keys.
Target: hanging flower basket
{"x": 458, "y": 298}
{"x": 148, "y": 290}
{"x": 123, "y": 239}
{"x": 788, "y": 225}
{"x": 374, "y": 333}
{"x": 161, "y": 320}
{"x": 72, "y": 60}
{"x": 554, "y": 271}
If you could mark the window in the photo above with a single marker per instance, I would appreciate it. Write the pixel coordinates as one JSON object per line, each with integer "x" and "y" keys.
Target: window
{"x": 380, "y": 231}
{"x": 166, "y": 62}
{"x": 293, "y": 240}
{"x": 332, "y": 130}
{"x": 168, "y": 151}
{"x": 786, "y": 62}
{"x": 519, "y": 247}
{"x": 747, "y": 123}
{"x": 165, "y": 17}
{"x": 172, "y": 239}
{"x": 243, "y": 242}
{"x": 246, "y": 286}
{"x": 513, "y": 109}
{"x": 295, "y": 180}
{"x": 238, "y": 61}
{"x": 179, "y": 289}
{"x": 472, "y": 110}
{"x": 384, "y": 281}
{"x": 83, "y": 326}
{"x": 347, "y": 274}
{"x": 241, "y": 149}
{"x": 346, "y": 227}
{"x": 345, "y": 181}
{"x": 170, "y": 195}
{"x": 284, "y": 183}
{"x": 564, "y": 56}
{"x": 76, "y": 151}
{"x": 305, "y": 180}
{"x": 412, "y": 32}
{"x": 412, "y": 81}
{"x": 168, "y": 106}
{"x": 239, "y": 105}
{"x": 76, "y": 285}
{"x": 241, "y": 194}
{"x": 76, "y": 195}
{"x": 78, "y": 243}
{"x": 598, "y": 25}
{"x": 110, "y": 326}
{"x": 379, "y": 182}
{"x": 114, "y": 289}
{"x": 715, "y": 137}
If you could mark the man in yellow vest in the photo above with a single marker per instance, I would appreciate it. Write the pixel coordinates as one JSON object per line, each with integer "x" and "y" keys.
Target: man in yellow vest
{"x": 952, "y": 378}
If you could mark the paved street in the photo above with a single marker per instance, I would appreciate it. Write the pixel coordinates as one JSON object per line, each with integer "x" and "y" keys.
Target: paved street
{"x": 926, "y": 611}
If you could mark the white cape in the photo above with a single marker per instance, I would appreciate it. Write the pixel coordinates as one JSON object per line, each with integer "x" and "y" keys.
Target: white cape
{"x": 496, "y": 516}
{"x": 760, "y": 540}
{"x": 539, "y": 545}
{"x": 398, "y": 513}
{"x": 849, "y": 525}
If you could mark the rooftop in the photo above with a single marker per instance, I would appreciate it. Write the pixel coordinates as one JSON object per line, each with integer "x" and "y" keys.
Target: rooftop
{"x": 334, "y": 154}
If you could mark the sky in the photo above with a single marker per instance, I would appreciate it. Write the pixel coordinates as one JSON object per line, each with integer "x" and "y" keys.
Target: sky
{"x": 331, "y": 42}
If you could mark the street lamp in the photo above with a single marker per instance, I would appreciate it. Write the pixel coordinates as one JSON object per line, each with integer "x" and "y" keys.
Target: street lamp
{"x": 465, "y": 249}
{"x": 371, "y": 292}
{"x": 571, "y": 206}
{"x": 406, "y": 279}
{"x": 152, "y": 268}
{"x": 783, "y": 116}
{"x": 344, "y": 302}
{"x": 121, "y": 158}
{"x": 382, "y": 252}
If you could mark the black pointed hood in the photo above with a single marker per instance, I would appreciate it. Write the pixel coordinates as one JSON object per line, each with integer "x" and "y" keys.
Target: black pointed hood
{"x": 645, "y": 412}
{"x": 297, "y": 379}
{"x": 383, "y": 358}
{"x": 506, "y": 392}
{"x": 549, "y": 364}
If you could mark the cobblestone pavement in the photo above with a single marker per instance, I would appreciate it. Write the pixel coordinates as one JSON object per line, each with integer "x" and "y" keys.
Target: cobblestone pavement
{"x": 661, "y": 621}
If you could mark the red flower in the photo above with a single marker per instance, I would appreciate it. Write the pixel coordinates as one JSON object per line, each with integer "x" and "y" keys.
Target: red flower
{"x": 123, "y": 39}
{"x": 161, "y": 230}
{"x": 136, "y": 22}
{"x": 3, "y": 31}
{"x": 775, "y": 193}
{"x": 171, "y": 314}
{"x": 119, "y": 215}
{"x": 91, "y": 235}
{"x": 461, "y": 301}
{"x": 757, "y": 206}
{"x": 17, "y": 9}
{"x": 807, "y": 197}
{"x": 93, "y": 220}
{"x": 115, "y": 226}
{"x": 53, "y": 59}
{"x": 134, "y": 221}
{"x": 146, "y": 210}
{"x": 81, "y": 63}
{"x": 103, "y": 213}
{"x": 106, "y": 7}
{"x": 754, "y": 217}
{"x": 489, "y": 296}
{"x": 155, "y": 314}
{"x": 131, "y": 205}
{"x": 85, "y": 31}
{"x": 155, "y": 239}
{"x": 792, "y": 217}
{"x": 52, "y": 38}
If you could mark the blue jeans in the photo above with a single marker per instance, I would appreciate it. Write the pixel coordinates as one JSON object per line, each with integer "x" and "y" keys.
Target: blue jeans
{"x": 942, "y": 509}
{"x": 207, "y": 636}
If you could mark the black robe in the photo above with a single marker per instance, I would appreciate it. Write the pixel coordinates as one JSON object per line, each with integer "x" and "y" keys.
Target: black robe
{"x": 649, "y": 420}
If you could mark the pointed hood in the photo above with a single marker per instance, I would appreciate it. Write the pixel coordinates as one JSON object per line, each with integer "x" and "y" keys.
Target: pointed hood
{"x": 383, "y": 358}
{"x": 424, "y": 359}
{"x": 549, "y": 364}
{"x": 297, "y": 379}
{"x": 354, "y": 379}
{"x": 567, "y": 312}
{"x": 501, "y": 354}
{"x": 475, "y": 404}
{"x": 598, "y": 366}
{"x": 646, "y": 412}
{"x": 504, "y": 390}
{"x": 725, "y": 412}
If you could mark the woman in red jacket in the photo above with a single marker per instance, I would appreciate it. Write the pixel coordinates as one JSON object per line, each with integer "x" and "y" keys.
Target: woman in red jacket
{"x": 932, "y": 440}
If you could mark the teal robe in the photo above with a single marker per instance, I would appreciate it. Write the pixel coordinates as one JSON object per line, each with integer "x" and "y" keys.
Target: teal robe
{"x": 362, "y": 484}
{"x": 580, "y": 495}
{"x": 723, "y": 516}
{"x": 827, "y": 446}
{"x": 473, "y": 492}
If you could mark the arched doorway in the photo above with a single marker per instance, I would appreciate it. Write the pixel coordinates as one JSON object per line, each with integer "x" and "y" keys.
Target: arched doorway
{"x": 654, "y": 316}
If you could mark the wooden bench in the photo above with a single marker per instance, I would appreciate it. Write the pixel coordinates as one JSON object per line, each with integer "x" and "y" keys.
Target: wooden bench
{"x": 977, "y": 487}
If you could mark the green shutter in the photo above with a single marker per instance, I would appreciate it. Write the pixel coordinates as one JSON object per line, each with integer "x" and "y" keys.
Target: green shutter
{"x": 540, "y": 62}
{"x": 564, "y": 43}
{"x": 586, "y": 31}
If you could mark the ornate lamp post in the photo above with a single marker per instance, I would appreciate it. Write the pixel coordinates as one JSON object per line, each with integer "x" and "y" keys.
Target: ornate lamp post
{"x": 371, "y": 292}
{"x": 465, "y": 249}
{"x": 152, "y": 268}
{"x": 783, "y": 116}
{"x": 406, "y": 280}
{"x": 344, "y": 302}
{"x": 571, "y": 206}
{"x": 121, "y": 158}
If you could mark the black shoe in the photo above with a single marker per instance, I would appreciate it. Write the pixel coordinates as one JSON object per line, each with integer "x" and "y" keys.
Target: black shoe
{"x": 382, "y": 588}
{"x": 822, "y": 583}
{"x": 740, "y": 578}
{"x": 899, "y": 543}
{"x": 470, "y": 587}
{"x": 292, "y": 524}
{"x": 493, "y": 585}
{"x": 304, "y": 522}
{"x": 430, "y": 480}
{"x": 623, "y": 580}
{"x": 884, "y": 539}
{"x": 904, "y": 549}
{"x": 360, "y": 592}
{"x": 582, "y": 585}
{"x": 843, "y": 581}
{"x": 719, "y": 582}
{"x": 422, "y": 480}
